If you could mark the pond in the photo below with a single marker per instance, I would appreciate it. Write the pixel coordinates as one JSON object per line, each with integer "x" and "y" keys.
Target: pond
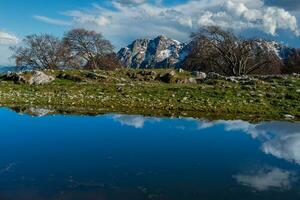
{"x": 113, "y": 157}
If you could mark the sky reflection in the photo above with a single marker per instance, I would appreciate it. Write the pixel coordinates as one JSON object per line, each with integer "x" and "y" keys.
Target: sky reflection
{"x": 134, "y": 157}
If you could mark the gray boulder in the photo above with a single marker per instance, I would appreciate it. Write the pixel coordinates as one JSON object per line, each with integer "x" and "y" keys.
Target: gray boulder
{"x": 29, "y": 77}
{"x": 200, "y": 76}
{"x": 40, "y": 78}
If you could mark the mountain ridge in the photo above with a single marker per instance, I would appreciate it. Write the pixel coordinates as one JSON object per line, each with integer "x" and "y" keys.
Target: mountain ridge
{"x": 159, "y": 52}
{"x": 164, "y": 52}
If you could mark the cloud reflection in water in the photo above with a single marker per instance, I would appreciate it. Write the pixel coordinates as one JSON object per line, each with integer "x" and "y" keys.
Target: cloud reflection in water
{"x": 266, "y": 179}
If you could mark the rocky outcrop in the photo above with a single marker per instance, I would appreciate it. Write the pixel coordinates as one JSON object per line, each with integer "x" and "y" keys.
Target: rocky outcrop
{"x": 40, "y": 78}
{"x": 29, "y": 77}
{"x": 160, "y": 52}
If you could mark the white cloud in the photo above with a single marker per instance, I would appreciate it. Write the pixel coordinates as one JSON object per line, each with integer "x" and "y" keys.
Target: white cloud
{"x": 130, "y": 19}
{"x": 266, "y": 179}
{"x": 5, "y": 54}
{"x": 80, "y": 17}
{"x": 8, "y": 38}
{"x": 52, "y": 21}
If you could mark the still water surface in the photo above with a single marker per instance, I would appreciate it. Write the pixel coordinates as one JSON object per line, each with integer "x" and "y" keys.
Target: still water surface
{"x": 114, "y": 157}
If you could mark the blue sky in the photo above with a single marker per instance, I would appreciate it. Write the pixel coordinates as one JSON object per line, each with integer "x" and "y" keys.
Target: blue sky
{"x": 122, "y": 21}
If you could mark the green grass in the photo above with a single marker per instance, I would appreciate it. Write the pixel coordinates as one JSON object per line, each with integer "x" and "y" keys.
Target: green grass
{"x": 213, "y": 99}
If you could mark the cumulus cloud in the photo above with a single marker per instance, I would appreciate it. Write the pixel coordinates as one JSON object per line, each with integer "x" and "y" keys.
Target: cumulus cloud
{"x": 266, "y": 179}
{"x": 240, "y": 15}
{"x": 139, "y": 18}
{"x": 5, "y": 54}
{"x": 7, "y": 38}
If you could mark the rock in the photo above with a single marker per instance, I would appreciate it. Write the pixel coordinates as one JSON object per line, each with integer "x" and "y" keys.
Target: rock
{"x": 180, "y": 70}
{"x": 148, "y": 73}
{"x": 39, "y": 112}
{"x": 289, "y": 117}
{"x": 213, "y": 75}
{"x": 296, "y": 75}
{"x": 92, "y": 75}
{"x": 16, "y": 77}
{"x": 172, "y": 73}
{"x": 70, "y": 77}
{"x": 200, "y": 76}
{"x": 188, "y": 81}
{"x": 169, "y": 77}
{"x": 40, "y": 78}
{"x": 29, "y": 77}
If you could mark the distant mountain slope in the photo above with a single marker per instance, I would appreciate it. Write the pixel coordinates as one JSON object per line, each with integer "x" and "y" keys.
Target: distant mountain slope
{"x": 282, "y": 51}
{"x": 159, "y": 52}
{"x": 163, "y": 52}
{"x": 7, "y": 69}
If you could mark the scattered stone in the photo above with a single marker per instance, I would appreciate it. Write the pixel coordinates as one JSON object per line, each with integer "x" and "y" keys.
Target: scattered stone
{"x": 16, "y": 77}
{"x": 29, "y": 77}
{"x": 40, "y": 78}
{"x": 169, "y": 77}
{"x": 180, "y": 70}
{"x": 199, "y": 75}
{"x": 289, "y": 117}
{"x": 70, "y": 77}
{"x": 92, "y": 75}
{"x": 214, "y": 75}
{"x": 39, "y": 112}
{"x": 123, "y": 80}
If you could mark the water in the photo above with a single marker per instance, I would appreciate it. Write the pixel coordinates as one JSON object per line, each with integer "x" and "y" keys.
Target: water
{"x": 115, "y": 157}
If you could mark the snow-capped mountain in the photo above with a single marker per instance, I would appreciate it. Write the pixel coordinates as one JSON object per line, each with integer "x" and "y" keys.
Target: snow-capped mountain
{"x": 163, "y": 52}
{"x": 282, "y": 51}
{"x": 159, "y": 52}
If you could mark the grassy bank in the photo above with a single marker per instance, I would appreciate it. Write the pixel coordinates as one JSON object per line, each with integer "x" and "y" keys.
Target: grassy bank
{"x": 131, "y": 92}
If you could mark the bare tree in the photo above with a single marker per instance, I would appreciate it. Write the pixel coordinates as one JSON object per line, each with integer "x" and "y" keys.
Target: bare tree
{"x": 40, "y": 51}
{"x": 218, "y": 50}
{"x": 107, "y": 62}
{"x": 87, "y": 47}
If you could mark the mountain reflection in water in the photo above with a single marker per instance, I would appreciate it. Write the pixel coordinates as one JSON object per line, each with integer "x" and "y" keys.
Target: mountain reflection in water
{"x": 134, "y": 157}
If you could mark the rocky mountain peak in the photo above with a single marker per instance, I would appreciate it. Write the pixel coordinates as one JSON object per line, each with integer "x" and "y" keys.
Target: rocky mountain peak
{"x": 163, "y": 52}
{"x": 153, "y": 53}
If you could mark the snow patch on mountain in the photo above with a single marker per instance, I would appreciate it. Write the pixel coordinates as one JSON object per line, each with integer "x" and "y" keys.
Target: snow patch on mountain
{"x": 153, "y": 53}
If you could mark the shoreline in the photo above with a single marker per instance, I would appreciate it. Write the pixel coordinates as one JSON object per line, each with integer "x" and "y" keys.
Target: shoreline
{"x": 118, "y": 92}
